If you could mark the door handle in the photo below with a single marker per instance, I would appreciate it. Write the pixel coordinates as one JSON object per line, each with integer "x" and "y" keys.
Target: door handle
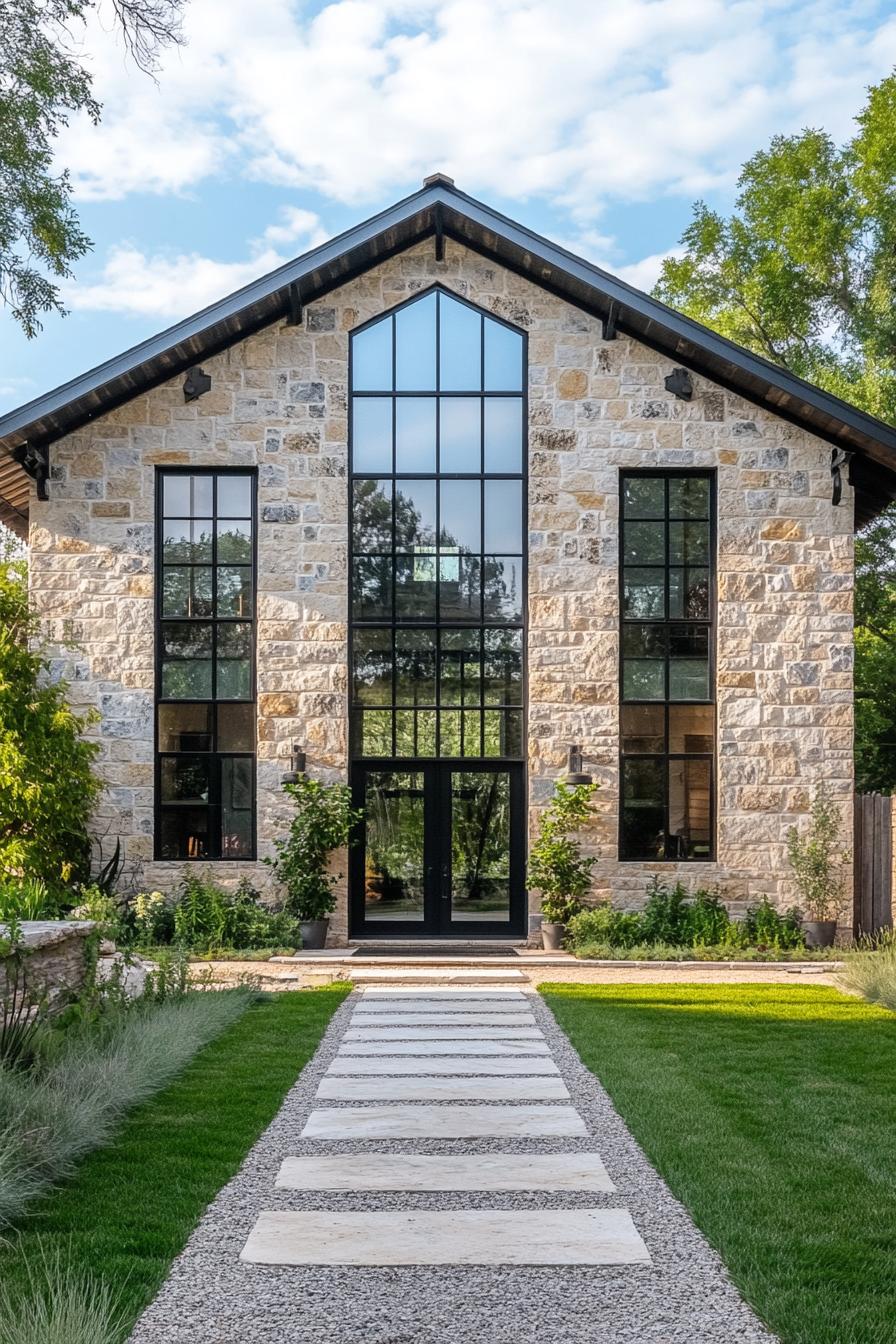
{"x": 446, "y": 882}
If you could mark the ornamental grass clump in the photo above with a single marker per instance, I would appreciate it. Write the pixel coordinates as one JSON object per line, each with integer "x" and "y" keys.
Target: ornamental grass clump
{"x": 871, "y": 971}
{"x": 59, "y": 1304}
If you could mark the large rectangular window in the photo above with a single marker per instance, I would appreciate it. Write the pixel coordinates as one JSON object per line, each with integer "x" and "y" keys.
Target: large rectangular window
{"x": 667, "y": 694}
{"x": 205, "y": 665}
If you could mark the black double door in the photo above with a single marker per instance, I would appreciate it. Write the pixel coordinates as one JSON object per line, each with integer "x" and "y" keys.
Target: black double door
{"x": 443, "y": 850}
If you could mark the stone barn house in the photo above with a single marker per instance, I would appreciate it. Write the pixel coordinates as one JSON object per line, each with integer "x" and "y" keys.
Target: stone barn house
{"x": 430, "y": 505}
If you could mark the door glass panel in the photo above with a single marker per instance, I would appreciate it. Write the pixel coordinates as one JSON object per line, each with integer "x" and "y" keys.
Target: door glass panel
{"x": 394, "y": 868}
{"x": 480, "y": 846}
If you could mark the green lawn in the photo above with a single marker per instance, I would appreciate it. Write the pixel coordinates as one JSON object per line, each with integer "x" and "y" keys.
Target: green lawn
{"x": 132, "y": 1205}
{"x": 771, "y": 1113}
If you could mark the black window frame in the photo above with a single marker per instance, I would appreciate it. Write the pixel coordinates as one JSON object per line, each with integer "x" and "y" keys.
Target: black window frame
{"x": 671, "y": 850}
{"x": 216, "y": 757}
{"x": 437, "y": 624}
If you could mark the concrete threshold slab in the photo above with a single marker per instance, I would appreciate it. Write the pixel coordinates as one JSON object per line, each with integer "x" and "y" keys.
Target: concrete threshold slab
{"x": 384, "y": 1066}
{"x": 455, "y": 1237}
{"x": 462, "y": 1172}
{"x": 376, "y": 1047}
{"x": 444, "y": 1122}
{"x": 443, "y": 1089}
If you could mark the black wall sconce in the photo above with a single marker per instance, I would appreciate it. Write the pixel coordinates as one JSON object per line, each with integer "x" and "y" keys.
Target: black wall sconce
{"x": 575, "y": 773}
{"x": 297, "y": 761}
{"x": 679, "y": 383}
{"x": 196, "y": 384}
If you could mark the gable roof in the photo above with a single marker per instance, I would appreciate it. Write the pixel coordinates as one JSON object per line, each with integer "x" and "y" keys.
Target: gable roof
{"x": 440, "y": 209}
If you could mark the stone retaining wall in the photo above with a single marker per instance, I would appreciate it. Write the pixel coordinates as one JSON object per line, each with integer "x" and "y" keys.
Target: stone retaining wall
{"x": 56, "y": 960}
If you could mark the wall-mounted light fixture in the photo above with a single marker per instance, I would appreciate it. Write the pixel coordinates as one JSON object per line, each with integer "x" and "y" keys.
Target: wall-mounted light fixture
{"x": 575, "y": 774}
{"x": 297, "y": 761}
{"x": 679, "y": 383}
{"x": 196, "y": 384}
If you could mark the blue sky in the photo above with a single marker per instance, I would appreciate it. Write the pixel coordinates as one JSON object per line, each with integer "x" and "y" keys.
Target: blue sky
{"x": 278, "y": 124}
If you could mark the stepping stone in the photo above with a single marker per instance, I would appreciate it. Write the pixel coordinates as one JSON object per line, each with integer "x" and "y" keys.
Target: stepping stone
{"x": 388, "y": 1006}
{"x": 375, "y": 1021}
{"x": 414, "y": 1171}
{"x": 427, "y": 1048}
{"x": 443, "y": 1034}
{"x": 443, "y": 1089}
{"x": 418, "y": 1065}
{"x": 455, "y": 1237}
{"x": 496, "y": 993}
{"x": 444, "y": 1122}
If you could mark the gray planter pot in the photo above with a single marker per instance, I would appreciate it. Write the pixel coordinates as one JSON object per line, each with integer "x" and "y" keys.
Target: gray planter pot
{"x": 314, "y": 932}
{"x": 820, "y": 932}
{"x": 552, "y": 936}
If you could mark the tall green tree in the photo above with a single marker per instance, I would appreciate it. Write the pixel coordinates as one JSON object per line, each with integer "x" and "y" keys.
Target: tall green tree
{"x": 42, "y": 85}
{"x": 804, "y": 272}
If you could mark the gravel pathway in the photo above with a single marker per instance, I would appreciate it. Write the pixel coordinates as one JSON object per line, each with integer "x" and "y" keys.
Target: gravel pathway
{"x": 682, "y": 1297}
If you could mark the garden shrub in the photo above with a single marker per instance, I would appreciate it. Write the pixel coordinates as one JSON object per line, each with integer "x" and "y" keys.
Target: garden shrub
{"x": 606, "y": 926}
{"x": 764, "y": 926}
{"x": 203, "y": 917}
{"x": 27, "y": 898}
{"x": 47, "y": 783}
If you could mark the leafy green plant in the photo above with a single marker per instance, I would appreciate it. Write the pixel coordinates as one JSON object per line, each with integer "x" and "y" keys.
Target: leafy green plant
{"x": 604, "y": 926}
{"x": 99, "y": 906}
{"x": 199, "y": 912}
{"x": 47, "y": 782}
{"x": 817, "y": 860}
{"x": 27, "y": 898}
{"x": 764, "y": 926}
{"x": 324, "y": 821}
{"x": 666, "y": 917}
{"x": 557, "y": 867}
{"x": 152, "y": 917}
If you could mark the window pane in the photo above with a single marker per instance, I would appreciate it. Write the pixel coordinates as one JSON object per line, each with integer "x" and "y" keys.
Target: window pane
{"x": 689, "y": 810}
{"x": 372, "y": 674}
{"x": 502, "y": 586}
{"x": 415, "y": 732}
{"x": 459, "y": 587}
{"x": 372, "y": 358}
{"x": 688, "y": 663}
{"x": 450, "y": 742}
{"x": 372, "y": 515}
{"x": 460, "y": 347}
{"x": 184, "y": 833}
{"x": 415, "y": 434}
{"x": 234, "y": 677}
{"x": 503, "y": 434}
{"x": 235, "y": 496}
{"x": 415, "y": 667}
{"x": 503, "y": 732}
{"x": 393, "y": 846}
{"x": 459, "y": 668}
{"x": 415, "y": 514}
{"x": 460, "y": 434}
{"x": 689, "y": 543}
{"x": 644, "y": 544}
{"x": 372, "y": 434}
{"x": 643, "y": 680}
{"x": 186, "y": 496}
{"x": 460, "y": 516}
{"x": 691, "y": 728}
{"x": 644, "y": 497}
{"x": 372, "y": 588}
{"x": 234, "y": 590}
{"x": 185, "y": 728}
{"x": 689, "y": 593}
{"x": 237, "y": 806}
{"x": 415, "y": 587}
{"x": 644, "y": 593}
{"x": 186, "y": 661}
{"x": 236, "y": 727}
{"x": 186, "y": 591}
{"x": 644, "y": 641}
{"x": 503, "y": 358}
{"x": 502, "y": 667}
{"x": 234, "y": 542}
{"x": 185, "y": 542}
{"x": 471, "y": 728}
{"x": 503, "y": 516}
{"x": 688, "y": 497}
{"x": 373, "y": 732}
{"x": 185, "y": 779}
{"x": 642, "y": 729}
{"x": 643, "y": 809}
{"x": 415, "y": 346}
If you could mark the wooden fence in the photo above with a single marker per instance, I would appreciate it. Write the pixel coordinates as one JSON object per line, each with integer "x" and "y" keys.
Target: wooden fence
{"x": 872, "y": 864}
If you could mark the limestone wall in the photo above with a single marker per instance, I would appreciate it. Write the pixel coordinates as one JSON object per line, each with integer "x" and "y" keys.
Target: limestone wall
{"x": 278, "y": 402}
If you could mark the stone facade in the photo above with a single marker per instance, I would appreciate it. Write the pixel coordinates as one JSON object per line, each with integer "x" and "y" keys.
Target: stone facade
{"x": 279, "y": 402}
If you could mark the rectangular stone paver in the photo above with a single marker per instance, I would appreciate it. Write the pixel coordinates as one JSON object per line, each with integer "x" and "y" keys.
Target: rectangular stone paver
{"x": 444, "y": 1122}
{"x": 377, "y": 1021}
{"x": 387, "y": 1006}
{"x": 442, "y": 993}
{"x": 383, "y": 1065}
{"x": 419, "y": 1172}
{"x": 446, "y": 1033}
{"x": 428, "y": 1047}
{"x": 455, "y": 1237}
{"x": 443, "y": 1089}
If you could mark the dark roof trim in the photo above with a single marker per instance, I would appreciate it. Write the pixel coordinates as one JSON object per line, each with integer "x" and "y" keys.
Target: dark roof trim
{"x": 441, "y": 208}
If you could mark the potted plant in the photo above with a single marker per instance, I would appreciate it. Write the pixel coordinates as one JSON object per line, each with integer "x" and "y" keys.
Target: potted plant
{"x": 819, "y": 865}
{"x": 324, "y": 822}
{"x": 557, "y": 867}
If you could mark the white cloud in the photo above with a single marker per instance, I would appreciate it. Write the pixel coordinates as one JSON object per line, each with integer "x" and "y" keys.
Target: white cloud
{"x": 644, "y": 274}
{"x": 297, "y": 225}
{"x": 578, "y": 101}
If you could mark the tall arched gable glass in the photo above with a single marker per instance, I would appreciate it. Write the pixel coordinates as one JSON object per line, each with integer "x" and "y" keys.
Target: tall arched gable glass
{"x": 438, "y": 540}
